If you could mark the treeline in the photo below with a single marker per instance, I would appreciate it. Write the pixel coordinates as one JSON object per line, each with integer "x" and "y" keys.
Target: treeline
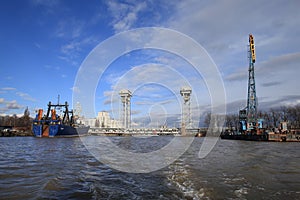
{"x": 15, "y": 121}
{"x": 271, "y": 118}
{"x": 24, "y": 121}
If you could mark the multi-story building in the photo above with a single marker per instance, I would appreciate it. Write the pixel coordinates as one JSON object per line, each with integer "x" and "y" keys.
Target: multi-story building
{"x": 104, "y": 120}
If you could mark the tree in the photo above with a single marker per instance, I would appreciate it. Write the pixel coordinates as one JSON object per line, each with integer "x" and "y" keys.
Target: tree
{"x": 232, "y": 121}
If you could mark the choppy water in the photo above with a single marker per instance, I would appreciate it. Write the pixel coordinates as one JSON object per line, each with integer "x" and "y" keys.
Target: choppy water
{"x": 62, "y": 168}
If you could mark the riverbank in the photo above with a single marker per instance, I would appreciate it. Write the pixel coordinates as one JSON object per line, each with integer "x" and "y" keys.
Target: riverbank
{"x": 13, "y": 133}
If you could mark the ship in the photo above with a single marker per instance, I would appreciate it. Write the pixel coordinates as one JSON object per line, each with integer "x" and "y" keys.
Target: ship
{"x": 53, "y": 125}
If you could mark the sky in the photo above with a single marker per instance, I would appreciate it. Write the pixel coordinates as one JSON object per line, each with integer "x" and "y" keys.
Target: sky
{"x": 45, "y": 44}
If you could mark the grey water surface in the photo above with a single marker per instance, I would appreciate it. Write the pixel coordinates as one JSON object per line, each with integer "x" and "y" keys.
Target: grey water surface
{"x": 62, "y": 168}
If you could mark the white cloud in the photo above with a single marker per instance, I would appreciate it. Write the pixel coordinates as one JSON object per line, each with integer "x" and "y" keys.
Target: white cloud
{"x": 125, "y": 14}
{"x": 13, "y": 105}
{"x": 222, "y": 27}
{"x": 3, "y": 111}
{"x": 8, "y": 88}
{"x": 25, "y": 96}
{"x": 285, "y": 64}
{"x": 275, "y": 78}
{"x": 72, "y": 50}
{"x": 70, "y": 47}
{"x": 240, "y": 74}
{"x": 139, "y": 76}
{"x": 282, "y": 63}
{"x": 75, "y": 89}
{"x": 70, "y": 28}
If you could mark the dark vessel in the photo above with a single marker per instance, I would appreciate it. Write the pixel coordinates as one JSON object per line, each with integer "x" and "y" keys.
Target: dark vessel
{"x": 51, "y": 124}
{"x": 282, "y": 134}
{"x": 244, "y": 136}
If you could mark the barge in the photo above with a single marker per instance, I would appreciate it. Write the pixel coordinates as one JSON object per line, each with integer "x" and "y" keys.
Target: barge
{"x": 285, "y": 136}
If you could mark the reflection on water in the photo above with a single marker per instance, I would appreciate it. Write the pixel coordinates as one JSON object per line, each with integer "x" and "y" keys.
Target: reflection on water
{"x": 62, "y": 168}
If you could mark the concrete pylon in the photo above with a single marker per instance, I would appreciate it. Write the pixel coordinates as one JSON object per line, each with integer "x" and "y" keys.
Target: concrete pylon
{"x": 186, "y": 92}
{"x": 126, "y": 108}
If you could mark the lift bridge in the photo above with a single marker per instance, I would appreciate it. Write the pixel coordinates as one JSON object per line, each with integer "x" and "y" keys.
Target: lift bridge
{"x": 146, "y": 131}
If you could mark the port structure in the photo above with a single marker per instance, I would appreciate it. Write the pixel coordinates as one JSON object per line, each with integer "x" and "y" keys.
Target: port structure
{"x": 126, "y": 108}
{"x": 186, "y": 92}
{"x": 248, "y": 115}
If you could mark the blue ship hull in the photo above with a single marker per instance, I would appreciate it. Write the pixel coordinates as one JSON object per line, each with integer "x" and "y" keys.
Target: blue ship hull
{"x": 42, "y": 130}
{"x": 64, "y": 130}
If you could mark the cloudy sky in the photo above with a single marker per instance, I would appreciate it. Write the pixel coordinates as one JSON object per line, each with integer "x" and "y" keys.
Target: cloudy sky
{"x": 44, "y": 44}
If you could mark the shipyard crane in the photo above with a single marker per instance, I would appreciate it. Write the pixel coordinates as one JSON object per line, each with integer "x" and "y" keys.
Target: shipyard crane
{"x": 251, "y": 127}
{"x": 248, "y": 116}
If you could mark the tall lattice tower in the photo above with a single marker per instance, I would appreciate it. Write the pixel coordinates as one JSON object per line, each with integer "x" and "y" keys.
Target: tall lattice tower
{"x": 248, "y": 116}
{"x": 126, "y": 110}
{"x": 186, "y": 121}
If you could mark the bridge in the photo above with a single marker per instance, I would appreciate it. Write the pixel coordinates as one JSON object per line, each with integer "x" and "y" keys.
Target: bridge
{"x": 145, "y": 131}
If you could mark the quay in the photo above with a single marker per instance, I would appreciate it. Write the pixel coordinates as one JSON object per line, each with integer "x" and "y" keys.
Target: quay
{"x": 287, "y": 136}
{"x": 10, "y": 131}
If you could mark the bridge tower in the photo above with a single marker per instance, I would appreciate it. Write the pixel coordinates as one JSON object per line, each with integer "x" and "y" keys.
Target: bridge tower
{"x": 126, "y": 108}
{"x": 186, "y": 92}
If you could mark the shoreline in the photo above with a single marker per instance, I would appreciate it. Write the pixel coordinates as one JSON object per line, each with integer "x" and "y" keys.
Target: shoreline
{"x": 16, "y": 134}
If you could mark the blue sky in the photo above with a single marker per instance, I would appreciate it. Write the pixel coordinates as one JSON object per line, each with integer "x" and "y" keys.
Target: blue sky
{"x": 44, "y": 43}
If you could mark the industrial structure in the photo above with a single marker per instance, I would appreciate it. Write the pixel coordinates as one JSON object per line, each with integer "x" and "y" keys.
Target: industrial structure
{"x": 248, "y": 116}
{"x": 251, "y": 127}
{"x": 126, "y": 108}
{"x": 186, "y": 121}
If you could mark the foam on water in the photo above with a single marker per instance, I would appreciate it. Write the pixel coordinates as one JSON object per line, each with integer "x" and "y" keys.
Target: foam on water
{"x": 180, "y": 176}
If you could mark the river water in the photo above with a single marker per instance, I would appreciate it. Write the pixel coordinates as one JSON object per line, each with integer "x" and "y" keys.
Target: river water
{"x": 62, "y": 168}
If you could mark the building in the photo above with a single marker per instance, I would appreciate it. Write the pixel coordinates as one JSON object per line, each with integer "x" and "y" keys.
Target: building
{"x": 89, "y": 121}
{"x": 103, "y": 120}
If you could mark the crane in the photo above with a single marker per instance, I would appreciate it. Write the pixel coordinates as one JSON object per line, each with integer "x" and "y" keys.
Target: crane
{"x": 248, "y": 116}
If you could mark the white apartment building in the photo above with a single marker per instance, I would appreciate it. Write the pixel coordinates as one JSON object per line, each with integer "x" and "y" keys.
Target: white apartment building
{"x": 103, "y": 120}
